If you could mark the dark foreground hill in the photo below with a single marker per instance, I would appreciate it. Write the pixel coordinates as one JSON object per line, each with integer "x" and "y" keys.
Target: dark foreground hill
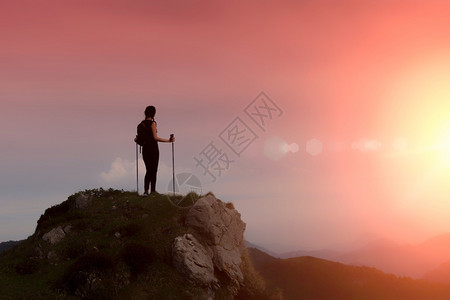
{"x": 313, "y": 278}
{"x": 113, "y": 244}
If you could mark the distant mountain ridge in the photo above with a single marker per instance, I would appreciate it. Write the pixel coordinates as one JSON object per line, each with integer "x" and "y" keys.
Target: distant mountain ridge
{"x": 323, "y": 253}
{"x": 313, "y": 278}
{"x": 4, "y": 246}
{"x": 439, "y": 243}
{"x": 251, "y": 245}
{"x": 440, "y": 274}
{"x": 388, "y": 256}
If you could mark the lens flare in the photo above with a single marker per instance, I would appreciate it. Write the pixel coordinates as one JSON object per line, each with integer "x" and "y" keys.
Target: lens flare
{"x": 366, "y": 145}
{"x": 293, "y": 148}
{"x": 276, "y": 148}
{"x": 314, "y": 147}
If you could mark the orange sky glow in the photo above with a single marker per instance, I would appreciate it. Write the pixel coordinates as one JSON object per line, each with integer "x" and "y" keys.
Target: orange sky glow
{"x": 368, "y": 79}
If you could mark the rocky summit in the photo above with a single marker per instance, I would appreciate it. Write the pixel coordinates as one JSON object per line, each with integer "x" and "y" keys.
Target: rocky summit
{"x": 110, "y": 244}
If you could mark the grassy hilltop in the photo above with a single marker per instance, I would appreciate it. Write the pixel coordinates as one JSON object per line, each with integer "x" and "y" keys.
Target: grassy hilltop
{"x": 117, "y": 246}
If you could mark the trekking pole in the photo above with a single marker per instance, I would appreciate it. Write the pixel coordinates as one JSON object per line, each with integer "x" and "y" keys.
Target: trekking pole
{"x": 173, "y": 165}
{"x": 137, "y": 170}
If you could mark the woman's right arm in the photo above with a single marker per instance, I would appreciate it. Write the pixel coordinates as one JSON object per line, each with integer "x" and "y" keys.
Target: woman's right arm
{"x": 159, "y": 139}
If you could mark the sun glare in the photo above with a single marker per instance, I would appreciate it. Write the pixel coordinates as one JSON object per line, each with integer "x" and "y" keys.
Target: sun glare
{"x": 419, "y": 106}
{"x": 417, "y": 117}
{"x": 444, "y": 146}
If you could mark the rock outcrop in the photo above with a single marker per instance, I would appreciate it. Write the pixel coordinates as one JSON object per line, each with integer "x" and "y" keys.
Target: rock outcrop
{"x": 194, "y": 260}
{"x": 111, "y": 244}
{"x": 220, "y": 225}
{"x": 55, "y": 235}
{"x": 82, "y": 201}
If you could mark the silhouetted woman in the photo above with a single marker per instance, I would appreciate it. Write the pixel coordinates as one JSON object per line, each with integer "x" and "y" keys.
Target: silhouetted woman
{"x": 150, "y": 150}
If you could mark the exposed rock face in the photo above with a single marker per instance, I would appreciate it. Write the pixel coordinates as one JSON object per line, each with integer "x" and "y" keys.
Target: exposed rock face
{"x": 54, "y": 236}
{"x": 82, "y": 201}
{"x": 194, "y": 260}
{"x": 223, "y": 231}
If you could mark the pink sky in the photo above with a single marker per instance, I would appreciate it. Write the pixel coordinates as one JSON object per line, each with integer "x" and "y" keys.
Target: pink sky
{"x": 76, "y": 76}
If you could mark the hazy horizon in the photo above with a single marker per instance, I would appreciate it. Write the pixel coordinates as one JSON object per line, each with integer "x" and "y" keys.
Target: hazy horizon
{"x": 350, "y": 138}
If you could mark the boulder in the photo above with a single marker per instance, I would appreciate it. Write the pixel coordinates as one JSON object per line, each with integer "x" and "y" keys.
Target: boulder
{"x": 82, "y": 201}
{"x": 219, "y": 224}
{"x": 223, "y": 230}
{"x": 194, "y": 260}
{"x": 54, "y": 236}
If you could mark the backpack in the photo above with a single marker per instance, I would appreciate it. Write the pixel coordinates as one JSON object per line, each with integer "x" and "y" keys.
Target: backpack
{"x": 144, "y": 134}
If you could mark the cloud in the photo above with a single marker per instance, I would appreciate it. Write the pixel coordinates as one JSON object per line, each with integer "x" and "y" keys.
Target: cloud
{"x": 124, "y": 170}
{"x": 120, "y": 170}
{"x": 122, "y": 174}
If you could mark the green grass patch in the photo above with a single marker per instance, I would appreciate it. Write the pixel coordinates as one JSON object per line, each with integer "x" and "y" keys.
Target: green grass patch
{"x": 118, "y": 238}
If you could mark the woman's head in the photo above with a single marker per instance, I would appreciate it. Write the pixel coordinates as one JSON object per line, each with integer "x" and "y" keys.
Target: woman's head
{"x": 150, "y": 112}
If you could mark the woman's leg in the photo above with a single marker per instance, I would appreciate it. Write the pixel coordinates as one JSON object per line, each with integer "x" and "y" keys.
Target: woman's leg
{"x": 146, "y": 158}
{"x": 151, "y": 159}
{"x": 154, "y": 169}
